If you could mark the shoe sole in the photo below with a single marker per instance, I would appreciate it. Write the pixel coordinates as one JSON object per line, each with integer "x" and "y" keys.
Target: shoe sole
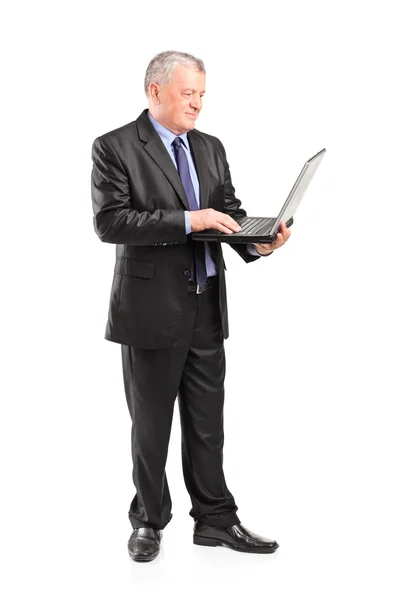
{"x": 211, "y": 542}
{"x": 142, "y": 558}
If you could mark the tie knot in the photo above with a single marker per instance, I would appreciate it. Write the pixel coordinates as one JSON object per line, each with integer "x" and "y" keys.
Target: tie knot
{"x": 177, "y": 142}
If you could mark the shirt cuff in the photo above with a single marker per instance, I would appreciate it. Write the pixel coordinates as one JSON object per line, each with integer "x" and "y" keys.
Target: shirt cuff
{"x": 253, "y": 250}
{"x": 187, "y": 223}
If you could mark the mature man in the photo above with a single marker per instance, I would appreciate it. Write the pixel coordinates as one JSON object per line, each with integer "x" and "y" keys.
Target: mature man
{"x": 154, "y": 181}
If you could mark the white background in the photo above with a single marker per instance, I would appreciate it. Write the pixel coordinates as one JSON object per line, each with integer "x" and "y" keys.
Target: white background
{"x": 311, "y": 427}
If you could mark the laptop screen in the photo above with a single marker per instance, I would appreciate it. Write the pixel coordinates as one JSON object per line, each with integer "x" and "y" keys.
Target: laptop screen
{"x": 298, "y": 190}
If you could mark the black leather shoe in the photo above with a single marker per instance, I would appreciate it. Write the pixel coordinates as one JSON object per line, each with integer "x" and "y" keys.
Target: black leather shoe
{"x": 144, "y": 544}
{"x": 235, "y": 537}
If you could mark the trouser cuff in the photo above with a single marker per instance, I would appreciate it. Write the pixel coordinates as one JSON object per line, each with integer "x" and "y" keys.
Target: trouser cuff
{"x": 219, "y": 520}
{"x": 136, "y": 523}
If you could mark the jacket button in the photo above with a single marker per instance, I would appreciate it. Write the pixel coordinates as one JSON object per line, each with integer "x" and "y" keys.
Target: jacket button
{"x": 187, "y": 272}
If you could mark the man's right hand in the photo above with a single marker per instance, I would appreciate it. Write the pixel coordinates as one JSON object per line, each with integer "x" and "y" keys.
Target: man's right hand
{"x": 208, "y": 218}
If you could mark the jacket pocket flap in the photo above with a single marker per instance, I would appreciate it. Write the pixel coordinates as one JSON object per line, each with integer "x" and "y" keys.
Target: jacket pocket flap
{"x": 126, "y": 266}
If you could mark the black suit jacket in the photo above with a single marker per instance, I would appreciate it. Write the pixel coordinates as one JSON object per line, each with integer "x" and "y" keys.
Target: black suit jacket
{"x": 138, "y": 204}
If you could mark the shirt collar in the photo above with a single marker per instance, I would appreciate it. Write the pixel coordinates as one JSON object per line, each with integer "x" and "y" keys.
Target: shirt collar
{"x": 165, "y": 134}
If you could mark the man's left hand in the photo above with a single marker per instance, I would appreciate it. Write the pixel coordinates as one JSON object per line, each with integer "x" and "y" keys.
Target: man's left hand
{"x": 281, "y": 238}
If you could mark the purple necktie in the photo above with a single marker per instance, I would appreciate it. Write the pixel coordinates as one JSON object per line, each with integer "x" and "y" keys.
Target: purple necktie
{"x": 184, "y": 173}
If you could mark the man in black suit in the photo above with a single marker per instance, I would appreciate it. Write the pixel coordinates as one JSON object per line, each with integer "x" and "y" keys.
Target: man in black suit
{"x": 154, "y": 181}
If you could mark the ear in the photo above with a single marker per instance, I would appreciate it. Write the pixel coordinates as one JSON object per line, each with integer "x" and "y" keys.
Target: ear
{"x": 154, "y": 92}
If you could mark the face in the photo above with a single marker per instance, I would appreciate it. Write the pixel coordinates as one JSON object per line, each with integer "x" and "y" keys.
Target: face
{"x": 177, "y": 104}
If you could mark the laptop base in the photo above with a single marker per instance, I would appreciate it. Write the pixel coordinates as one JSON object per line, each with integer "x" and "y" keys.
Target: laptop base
{"x": 213, "y": 235}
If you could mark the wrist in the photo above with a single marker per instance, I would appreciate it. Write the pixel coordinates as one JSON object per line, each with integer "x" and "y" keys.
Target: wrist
{"x": 262, "y": 253}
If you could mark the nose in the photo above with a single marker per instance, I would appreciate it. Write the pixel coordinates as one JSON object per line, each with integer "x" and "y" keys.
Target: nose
{"x": 195, "y": 101}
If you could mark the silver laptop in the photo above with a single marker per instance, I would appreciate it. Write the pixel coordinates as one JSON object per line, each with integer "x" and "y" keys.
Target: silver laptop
{"x": 263, "y": 230}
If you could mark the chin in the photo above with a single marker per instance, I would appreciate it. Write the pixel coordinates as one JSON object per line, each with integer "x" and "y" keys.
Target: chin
{"x": 191, "y": 124}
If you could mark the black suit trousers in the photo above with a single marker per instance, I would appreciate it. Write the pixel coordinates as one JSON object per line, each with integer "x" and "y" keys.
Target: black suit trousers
{"x": 192, "y": 369}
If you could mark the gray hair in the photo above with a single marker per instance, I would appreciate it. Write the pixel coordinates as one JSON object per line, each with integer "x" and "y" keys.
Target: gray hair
{"x": 161, "y": 67}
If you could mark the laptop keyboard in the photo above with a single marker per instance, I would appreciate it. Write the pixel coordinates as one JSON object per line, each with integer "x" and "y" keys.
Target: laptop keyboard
{"x": 252, "y": 226}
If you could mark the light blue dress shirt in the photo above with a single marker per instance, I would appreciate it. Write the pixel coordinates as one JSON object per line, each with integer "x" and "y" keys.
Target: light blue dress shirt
{"x": 167, "y": 137}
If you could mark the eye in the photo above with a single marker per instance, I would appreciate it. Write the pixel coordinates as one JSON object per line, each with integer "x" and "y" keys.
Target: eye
{"x": 187, "y": 93}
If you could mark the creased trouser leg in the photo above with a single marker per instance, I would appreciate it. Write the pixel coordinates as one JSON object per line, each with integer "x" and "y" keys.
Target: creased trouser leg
{"x": 151, "y": 391}
{"x": 201, "y": 401}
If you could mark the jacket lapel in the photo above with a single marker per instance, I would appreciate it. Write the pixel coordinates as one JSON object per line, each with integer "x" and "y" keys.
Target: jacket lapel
{"x": 156, "y": 149}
